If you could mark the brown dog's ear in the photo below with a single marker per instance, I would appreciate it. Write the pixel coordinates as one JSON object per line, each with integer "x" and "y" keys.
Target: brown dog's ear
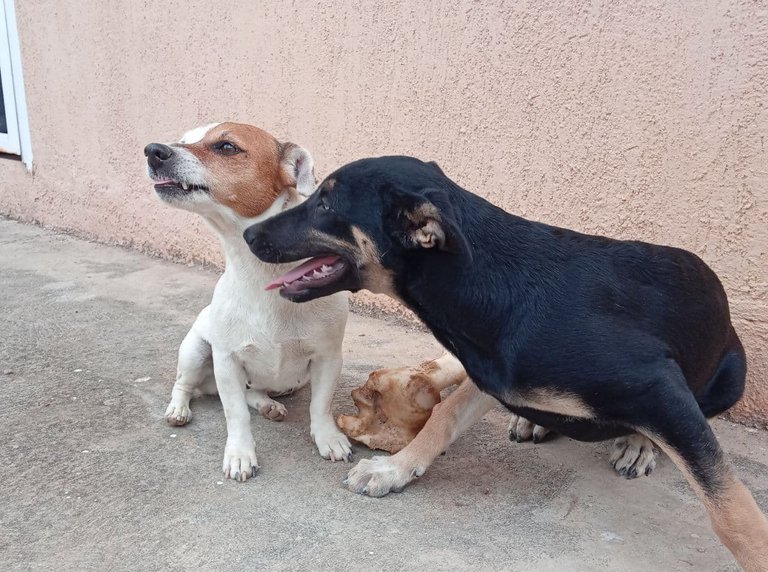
{"x": 298, "y": 168}
{"x": 427, "y": 221}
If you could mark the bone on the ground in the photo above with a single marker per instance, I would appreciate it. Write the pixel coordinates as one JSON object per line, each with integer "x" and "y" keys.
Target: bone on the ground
{"x": 394, "y": 404}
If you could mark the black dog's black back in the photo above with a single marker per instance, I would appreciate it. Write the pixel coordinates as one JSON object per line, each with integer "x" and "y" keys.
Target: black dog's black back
{"x": 564, "y": 303}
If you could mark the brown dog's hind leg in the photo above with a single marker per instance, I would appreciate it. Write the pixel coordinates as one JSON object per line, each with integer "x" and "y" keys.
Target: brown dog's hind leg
{"x": 686, "y": 437}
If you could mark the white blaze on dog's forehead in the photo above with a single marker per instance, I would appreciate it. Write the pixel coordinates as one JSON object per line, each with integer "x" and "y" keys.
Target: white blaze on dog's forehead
{"x": 196, "y": 134}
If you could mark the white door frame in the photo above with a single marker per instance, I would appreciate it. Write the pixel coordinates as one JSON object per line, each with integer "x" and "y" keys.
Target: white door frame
{"x": 17, "y": 140}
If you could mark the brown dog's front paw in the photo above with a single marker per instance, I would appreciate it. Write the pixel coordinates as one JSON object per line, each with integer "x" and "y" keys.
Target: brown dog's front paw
{"x": 240, "y": 462}
{"x": 332, "y": 444}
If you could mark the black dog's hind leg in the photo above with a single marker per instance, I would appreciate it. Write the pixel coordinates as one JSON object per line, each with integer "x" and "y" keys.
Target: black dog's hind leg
{"x": 681, "y": 430}
{"x": 727, "y": 384}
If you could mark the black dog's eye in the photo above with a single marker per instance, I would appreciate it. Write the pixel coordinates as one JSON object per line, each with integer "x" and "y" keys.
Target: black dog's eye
{"x": 226, "y": 148}
{"x": 323, "y": 204}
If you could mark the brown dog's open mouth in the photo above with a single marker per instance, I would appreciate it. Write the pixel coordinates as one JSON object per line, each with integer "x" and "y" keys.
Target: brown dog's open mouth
{"x": 315, "y": 273}
{"x": 171, "y": 185}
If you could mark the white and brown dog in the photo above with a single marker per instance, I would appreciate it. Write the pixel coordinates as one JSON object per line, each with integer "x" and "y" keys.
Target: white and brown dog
{"x": 247, "y": 344}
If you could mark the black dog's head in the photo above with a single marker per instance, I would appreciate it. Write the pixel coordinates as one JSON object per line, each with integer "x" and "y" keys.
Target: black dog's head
{"x": 364, "y": 226}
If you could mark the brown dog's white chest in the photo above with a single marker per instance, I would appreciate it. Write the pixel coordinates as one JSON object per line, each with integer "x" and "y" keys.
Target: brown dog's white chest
{"x": 275, "y": 367}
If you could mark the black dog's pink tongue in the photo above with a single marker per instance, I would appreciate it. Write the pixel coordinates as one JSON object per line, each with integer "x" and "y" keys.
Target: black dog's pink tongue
{"x": 309, "y": 266}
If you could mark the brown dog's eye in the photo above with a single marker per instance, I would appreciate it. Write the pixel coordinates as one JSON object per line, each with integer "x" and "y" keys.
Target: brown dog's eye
{"x": 226, "y": 148}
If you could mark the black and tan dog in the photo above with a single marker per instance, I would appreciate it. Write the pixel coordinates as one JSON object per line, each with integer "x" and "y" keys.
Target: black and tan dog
{"x": 592, "y": 337}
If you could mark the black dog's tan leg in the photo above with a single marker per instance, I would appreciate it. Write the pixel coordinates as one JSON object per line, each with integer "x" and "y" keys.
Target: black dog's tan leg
{"x": 686, "y": 437}
{"x": 740, "y": 524}
{"x": 380, "y": 475}
{"x": 734, "y": 514}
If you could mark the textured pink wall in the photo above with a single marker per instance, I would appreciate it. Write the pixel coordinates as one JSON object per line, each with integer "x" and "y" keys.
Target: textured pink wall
{"x": 632, "y": 119}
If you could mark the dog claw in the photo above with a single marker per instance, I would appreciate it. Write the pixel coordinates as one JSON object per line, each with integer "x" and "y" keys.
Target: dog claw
{"x": 333, "y": 445}
{"x": 632, "y": 456}
{"x": 521, "y": 429}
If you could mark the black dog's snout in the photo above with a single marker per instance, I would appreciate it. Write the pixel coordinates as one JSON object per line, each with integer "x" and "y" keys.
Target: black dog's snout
{"x": 157, "y": 154}
{"x": 260, "y": 244}
{"x": 250, "y": 235}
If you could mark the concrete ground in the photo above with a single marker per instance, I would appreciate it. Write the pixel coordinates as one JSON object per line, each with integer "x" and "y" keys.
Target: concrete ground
{"x": 93, "y": 478}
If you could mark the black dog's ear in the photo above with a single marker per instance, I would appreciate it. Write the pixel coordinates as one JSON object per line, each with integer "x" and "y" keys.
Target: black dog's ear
{"x": 427, "y": 221}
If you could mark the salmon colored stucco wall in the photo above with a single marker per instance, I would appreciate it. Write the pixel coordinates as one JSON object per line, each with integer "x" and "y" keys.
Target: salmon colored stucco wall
{"x": 641, "y": 119}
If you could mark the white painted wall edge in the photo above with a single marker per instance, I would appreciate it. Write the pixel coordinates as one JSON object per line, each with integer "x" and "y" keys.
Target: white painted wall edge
{"x": 25, "y": 139}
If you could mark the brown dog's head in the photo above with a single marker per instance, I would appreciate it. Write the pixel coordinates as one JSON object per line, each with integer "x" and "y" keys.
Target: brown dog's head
{"x": 228, "y": 166}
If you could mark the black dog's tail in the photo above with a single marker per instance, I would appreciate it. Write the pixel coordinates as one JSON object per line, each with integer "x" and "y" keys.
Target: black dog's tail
{"x": 726, "y": 386}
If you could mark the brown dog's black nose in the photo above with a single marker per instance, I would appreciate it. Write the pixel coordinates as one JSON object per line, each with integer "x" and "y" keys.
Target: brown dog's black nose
{"x": 157, "y": 154}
